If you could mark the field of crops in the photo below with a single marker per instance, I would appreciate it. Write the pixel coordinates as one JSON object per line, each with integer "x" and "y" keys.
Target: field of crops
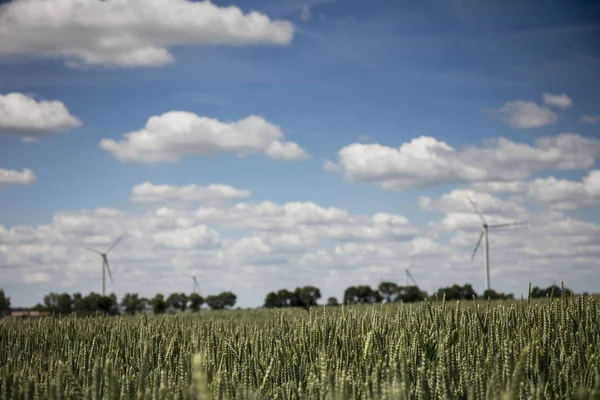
{"x": 548, "y": 349}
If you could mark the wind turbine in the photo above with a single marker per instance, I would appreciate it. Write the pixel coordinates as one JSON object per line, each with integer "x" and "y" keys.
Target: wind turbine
{"x": 196, "y": 286}
{"x": 412, "y": 278}
{"x": 484, "y": 232}
{"x": 105, "y": 266}
{"x": 408, "y": 275}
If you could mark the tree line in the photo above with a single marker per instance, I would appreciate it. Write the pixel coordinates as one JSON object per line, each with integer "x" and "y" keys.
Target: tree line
{"x": 390, "y": 292}
{"x": 131, "y": 303}
{"x": 304, "y": 297}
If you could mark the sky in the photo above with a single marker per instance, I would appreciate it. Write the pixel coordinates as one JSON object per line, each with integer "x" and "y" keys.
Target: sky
{"x": 261, "y": 144}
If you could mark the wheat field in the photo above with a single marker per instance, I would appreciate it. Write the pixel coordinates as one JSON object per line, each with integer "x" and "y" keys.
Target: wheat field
{"x": 432, "y": 350}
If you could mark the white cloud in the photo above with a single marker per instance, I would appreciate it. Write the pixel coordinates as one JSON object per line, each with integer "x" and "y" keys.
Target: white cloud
{"x": 427, "y": 162}
{"x": 148, "y": 192}
{"x": 459, "y": 221}
{"x": 307, "y": 219}
{"x": 457, "y": 201}
{"x": 187, "y": 238}
{"x": 526, "y": 114}
{"x": 423, "y": 245}
{"x": 286, "y": 151}
{"x": 37, "y": 277}
{"x": 305, "y": 13}
{"x": 330, "y": 166}
{"x": 590, "y": 119}
{"x": 243, "y": 247}
{"x": 23, "y": 115}
{"x": 542, "y": 251}
{"x": 14, "y": 177}
{"x": 559, "y": 194}
{"x": 129, "y": 33}
{"x": 254, "y": 248}
{"x": 173, "y": 135}
{"x": 561, "y": 101}
{"x": 592, "y": 182}
{"x": 96, "y": 239}
{"x": 423, "y": 161}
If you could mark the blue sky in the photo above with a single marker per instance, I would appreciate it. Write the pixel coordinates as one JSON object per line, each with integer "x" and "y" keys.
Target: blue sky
{"x": 383, "y": 72}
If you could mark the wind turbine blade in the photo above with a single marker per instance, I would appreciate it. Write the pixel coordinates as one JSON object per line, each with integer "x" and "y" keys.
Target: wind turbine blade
{"x": 476, "y": 210}
{"x": 412, "y": 278}
{"x": 92, "y": 250}
{"x": 108, "y": 269}
{"x": 115, "y": 242}
{"x": 507, "y": 224}
{"x": 477, "y": 245}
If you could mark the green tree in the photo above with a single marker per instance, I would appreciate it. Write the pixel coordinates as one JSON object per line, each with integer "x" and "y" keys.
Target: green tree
{"x": 361, "y": 295}
{"x": 177, "y": 301}
{"x": 283, "y": 298}
{"x": 537, "y": 292}
{"x": 410, "y": 294}
{"x": 305, "y": 297}
{"x": 109, "y": 304}
{"x": 58, "y": 303}
{"x": 389, "y": 291}
{"x": 159, "y": 305}
{"x": 271, "y": 300}
{"x": 229, "y": 298}
{"x": 456, "y": 292}
{"x": 332, "y": 301}
{"x": 4, "y": 304}
{"x": 132, "y": 303}
{"x": 221, "y": 301}
{"x": 196, "y": 302}
{"x": 92, "y": 302}
{"x": 79, "y": 303}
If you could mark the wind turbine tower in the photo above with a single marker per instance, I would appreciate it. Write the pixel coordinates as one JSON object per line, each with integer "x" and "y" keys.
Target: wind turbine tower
{"x": 105, "y": 266}
{"x": 484, "y": 233}
{"x": 196, "y": 286}
{"x": 408, "y": 275}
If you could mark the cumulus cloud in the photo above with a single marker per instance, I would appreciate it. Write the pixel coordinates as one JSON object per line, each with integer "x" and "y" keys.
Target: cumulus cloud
{"x": 23, "y": 115}
{"x": 15, "y": 177}
{"x": 526, "y": 114}
{"x": 148, "y": 192}
{"x": 559, "y": 194}
{"x": 427, "y": 162}
{"x": 457, "y": 201}
{"x": 459, "y": 214}
{"x": 424, "y": 246}
{"x": 176, "y": 134}
{"x": 129, "y": 33}
{"x": 590, "y": 119}
{"x": 307, "y": 219}
{"x": 552, "y": 246}
{"x": 188, "y": 238}
{"x": 330, "y": 166}
{"x": 252, "y": 248}
{"x": 286, "y": 151}
{"x": 37, "y": 277}
{"x": 561, "y": 101}
{"x": 243, "y": 247}
{"x": 523, "y": 114}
